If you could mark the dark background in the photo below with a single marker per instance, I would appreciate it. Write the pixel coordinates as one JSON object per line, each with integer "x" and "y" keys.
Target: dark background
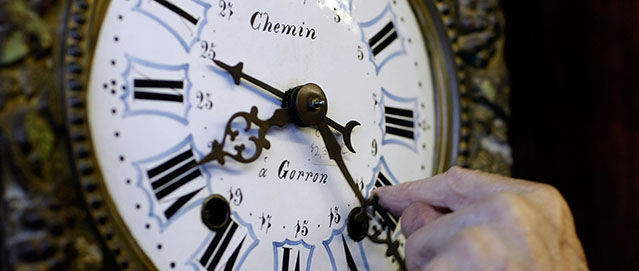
{"x": 574, "y": 71}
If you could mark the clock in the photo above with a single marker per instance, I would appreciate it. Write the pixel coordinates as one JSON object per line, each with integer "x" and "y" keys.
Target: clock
{"x": 251, "y": 135}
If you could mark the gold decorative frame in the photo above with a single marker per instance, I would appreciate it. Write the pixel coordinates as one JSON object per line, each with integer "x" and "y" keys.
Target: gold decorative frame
{"x": 445, "y": 83}
{"x": 83, "y": 24}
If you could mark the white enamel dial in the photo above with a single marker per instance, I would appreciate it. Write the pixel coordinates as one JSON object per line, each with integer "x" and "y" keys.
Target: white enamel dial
{"x": 156, "y": 101}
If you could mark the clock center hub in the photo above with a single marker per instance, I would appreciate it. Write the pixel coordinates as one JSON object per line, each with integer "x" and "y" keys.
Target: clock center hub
{"x": 307, "y": 104}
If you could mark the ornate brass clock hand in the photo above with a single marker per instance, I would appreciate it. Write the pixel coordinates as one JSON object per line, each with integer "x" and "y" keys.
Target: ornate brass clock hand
{"x": 309, "y": 106}
{"x": 359, "y": 219}
{"x": 280, "y": 118}
{"x": 334, "y": 153}
{"x": 237, "y": 74}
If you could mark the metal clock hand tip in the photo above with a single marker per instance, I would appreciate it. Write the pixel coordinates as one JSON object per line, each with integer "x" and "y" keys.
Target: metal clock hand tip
{"x": 237, "y": 74}
{"x": 345, "y": 131}
{"x": 235, "y": 71}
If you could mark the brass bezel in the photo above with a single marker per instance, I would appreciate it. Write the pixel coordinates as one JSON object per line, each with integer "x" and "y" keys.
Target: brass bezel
{"x": 82, "y": 28}
{"x": 83, "y": 24}
{"x": 445, "y": 82}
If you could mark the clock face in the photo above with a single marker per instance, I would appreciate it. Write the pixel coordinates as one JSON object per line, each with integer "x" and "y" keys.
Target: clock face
{"x": 156, "y": 102}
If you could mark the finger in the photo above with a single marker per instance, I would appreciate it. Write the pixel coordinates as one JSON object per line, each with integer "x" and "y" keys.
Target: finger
{"x": 393, "y": 198}
{"x": 416, "y": 216}
{"x": 453, "y": 189}
{"x": 495, "y": 212}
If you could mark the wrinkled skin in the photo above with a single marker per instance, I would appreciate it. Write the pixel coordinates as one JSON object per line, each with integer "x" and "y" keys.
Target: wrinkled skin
{"x": 496, "y": 223}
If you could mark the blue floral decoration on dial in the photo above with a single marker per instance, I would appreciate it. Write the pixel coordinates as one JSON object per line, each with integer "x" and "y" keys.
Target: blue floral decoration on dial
{"x": 156, "y": 89}
{"x": 292, "y": 255}
{"x": 384, "y": 41}
{"x": 185, "y": 21}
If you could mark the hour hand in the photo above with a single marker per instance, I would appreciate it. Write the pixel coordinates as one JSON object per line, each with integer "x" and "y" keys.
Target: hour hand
{"x": 334, "y": 153}
{"x": 280, "y": 118}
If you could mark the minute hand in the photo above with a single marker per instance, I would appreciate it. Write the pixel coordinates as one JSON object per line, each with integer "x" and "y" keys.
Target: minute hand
{"x": 334, "y": 153}
{"x": 237, "y": 74}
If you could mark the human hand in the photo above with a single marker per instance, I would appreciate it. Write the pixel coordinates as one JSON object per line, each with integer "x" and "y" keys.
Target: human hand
{"x": 496, "y": 223}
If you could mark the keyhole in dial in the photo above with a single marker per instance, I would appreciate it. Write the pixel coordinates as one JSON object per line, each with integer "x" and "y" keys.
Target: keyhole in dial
{"x": 357, "y": 228}
{"x": 216, "y": 212}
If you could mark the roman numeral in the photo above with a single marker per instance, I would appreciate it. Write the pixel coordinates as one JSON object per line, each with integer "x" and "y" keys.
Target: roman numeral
{"x": 286, "y": 259}
{"x": 144, "y": 90}
{"x": 292, "y": 255}
{"x": 219, "y": 245}
{"x": 156, "y": 89}
{"x": 344, "y": 257}
{"x": 184, "y": 19}
{"x": 386, "y": 218}
{"x": 174, "y": 173}
{"x": 383, "y": 38}
{"x": 400, "y": 122}
{"x": 382, "y": 181}
{"x": 350, "y": 262}
{"x": 177, "y": 10}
